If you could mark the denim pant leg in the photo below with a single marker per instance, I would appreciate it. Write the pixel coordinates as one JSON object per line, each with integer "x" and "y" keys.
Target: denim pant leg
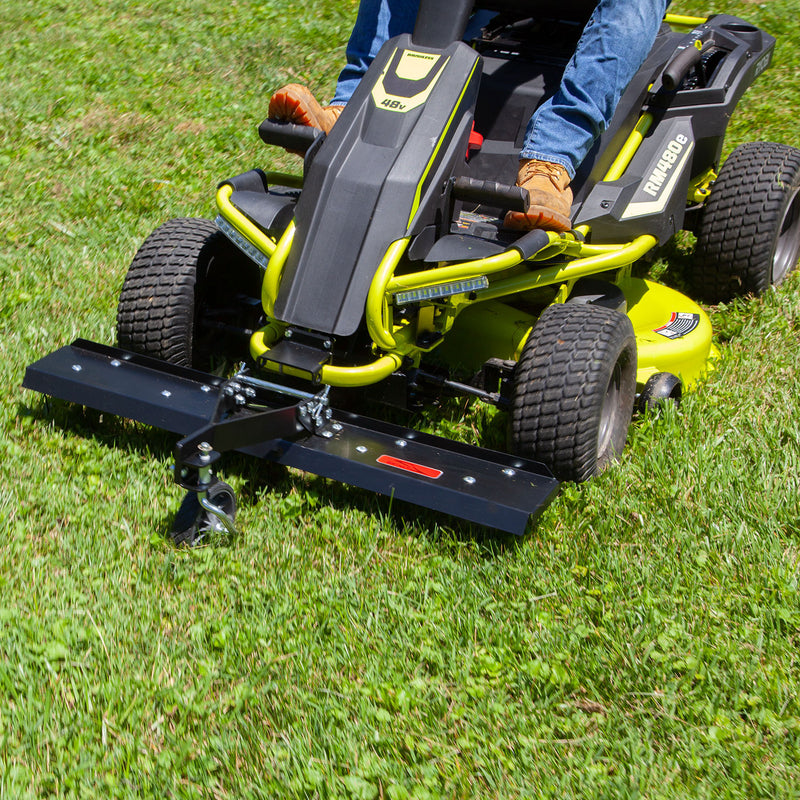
{"x": 377, "y": 21}
{"x": 614, "y": 44}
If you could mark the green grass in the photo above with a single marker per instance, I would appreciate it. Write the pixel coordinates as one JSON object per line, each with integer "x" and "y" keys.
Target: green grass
{"x": 643, "y": 642}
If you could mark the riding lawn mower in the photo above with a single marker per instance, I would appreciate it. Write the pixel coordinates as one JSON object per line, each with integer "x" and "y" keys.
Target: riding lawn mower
{"x": 383, "y": 275}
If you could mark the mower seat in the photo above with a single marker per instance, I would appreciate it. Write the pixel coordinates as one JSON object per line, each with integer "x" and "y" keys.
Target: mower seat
{"x": 432, "y": 29}
{"x": 521, "y": 71}
{"x": 567, "y": 10}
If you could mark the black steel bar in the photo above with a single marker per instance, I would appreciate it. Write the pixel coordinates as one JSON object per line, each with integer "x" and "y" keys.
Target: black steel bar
{"x": 490, "y": 488}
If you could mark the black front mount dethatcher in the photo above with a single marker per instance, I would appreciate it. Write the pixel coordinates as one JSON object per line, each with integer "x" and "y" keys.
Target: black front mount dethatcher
{"x": 296, "y": 429}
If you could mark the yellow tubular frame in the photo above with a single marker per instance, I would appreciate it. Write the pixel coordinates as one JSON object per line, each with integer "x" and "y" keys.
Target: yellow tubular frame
{"x": 599, "y": 259}
{"x": 352, "y": 377}
{"x": 681, "y": 21}
{"x": 276, "y": 251}
{"x": 347, "y": 377}
{"x": 272, "y": 277}
{"x": 622, "y": 256}
{"x": 377, "y": 308}
{"x": 617, "y": 169}
{"x": 231, "y": 214}
{"x": 580, "y": 259}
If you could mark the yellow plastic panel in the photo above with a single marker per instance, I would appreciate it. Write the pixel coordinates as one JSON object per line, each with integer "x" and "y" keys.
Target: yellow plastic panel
{"x": 673, "y": 334}
{"x": 483, "y": 331}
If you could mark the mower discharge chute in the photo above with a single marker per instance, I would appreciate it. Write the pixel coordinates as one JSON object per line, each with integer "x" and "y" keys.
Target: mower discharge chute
{"x": 384, "y": 273}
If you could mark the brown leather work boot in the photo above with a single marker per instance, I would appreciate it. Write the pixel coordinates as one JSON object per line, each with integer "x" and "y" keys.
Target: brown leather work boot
{"x": 295, "y": 103}
{"x": 551, "y": 197}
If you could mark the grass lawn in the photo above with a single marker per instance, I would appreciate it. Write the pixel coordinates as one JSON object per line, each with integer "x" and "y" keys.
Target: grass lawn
{"x": 644, "y": 641}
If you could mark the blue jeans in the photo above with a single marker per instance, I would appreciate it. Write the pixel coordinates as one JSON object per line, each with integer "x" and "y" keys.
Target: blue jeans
{"x": 614, "y": 44}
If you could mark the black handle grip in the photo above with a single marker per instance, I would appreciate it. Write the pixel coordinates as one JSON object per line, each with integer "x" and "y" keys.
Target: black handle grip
{"x": 491, "y": 193}
{"x": 678, "y": 68}
{"x": 287, "y": 135}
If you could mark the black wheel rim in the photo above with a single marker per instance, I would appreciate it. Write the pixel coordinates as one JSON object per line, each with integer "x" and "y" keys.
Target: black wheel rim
{"x": 608, "y": 411}
{"x": 787, "y": 248}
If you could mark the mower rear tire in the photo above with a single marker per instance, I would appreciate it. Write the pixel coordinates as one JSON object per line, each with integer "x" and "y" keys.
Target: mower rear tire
{"x": 749, "y": 233}
{"x": 575, "y": 386}
{"x": 183, "y": 291}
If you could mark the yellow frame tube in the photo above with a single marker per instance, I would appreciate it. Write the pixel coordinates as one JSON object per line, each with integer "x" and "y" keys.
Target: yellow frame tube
{"x": 351, "y": 377}
{"x": 464, "y": 271}
{"x": 264, "y": 338}
{"x": 683, "y": 21}
{"x": 560, "y": 273}
{"x": 276, "y": 251}
{"x": 617, "y": 169}
{"x": 376, "y": 309}
{"x": 231, "y": 214}
{"x": 602, "y": 258}
{"x": 272, "y": 277}
{"x": 347, "y": 377}
{"x": 628, "y": 151}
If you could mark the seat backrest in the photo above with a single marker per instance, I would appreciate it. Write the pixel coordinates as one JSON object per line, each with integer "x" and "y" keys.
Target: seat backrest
{"x": 577, "y": 10}
{"x": 440, "y": 22}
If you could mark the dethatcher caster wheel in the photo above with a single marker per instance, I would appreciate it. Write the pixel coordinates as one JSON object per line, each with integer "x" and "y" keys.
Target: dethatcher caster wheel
{"x": 204, "y": 513}
{"x": 660, "y": 389}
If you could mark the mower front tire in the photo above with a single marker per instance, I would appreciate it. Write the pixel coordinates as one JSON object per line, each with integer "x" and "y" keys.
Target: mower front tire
{"x": 574, "y": 390}
{"x": 749, "y": 234}
{"x": 183, "y": 293}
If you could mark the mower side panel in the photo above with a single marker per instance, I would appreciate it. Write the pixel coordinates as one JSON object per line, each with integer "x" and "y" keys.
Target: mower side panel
{"x": 651, "y": 197}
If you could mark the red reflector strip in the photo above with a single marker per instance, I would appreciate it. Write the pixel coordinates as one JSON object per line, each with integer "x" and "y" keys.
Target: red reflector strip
{"x": 410, "y": 466}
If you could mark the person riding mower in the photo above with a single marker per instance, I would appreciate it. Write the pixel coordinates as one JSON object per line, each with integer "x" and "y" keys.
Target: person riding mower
{"x": 387, "y": 273}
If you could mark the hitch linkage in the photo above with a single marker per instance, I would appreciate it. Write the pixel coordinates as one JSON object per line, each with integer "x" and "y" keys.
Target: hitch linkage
{"x": 245, "y": 414}
{"x": 240, "y": 420}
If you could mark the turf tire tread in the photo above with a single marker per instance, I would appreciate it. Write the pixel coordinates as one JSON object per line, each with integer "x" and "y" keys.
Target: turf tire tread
{"x": 559, "y": 378}
{"x": 739, "y": 226}
{"x": 155, "y": 314}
